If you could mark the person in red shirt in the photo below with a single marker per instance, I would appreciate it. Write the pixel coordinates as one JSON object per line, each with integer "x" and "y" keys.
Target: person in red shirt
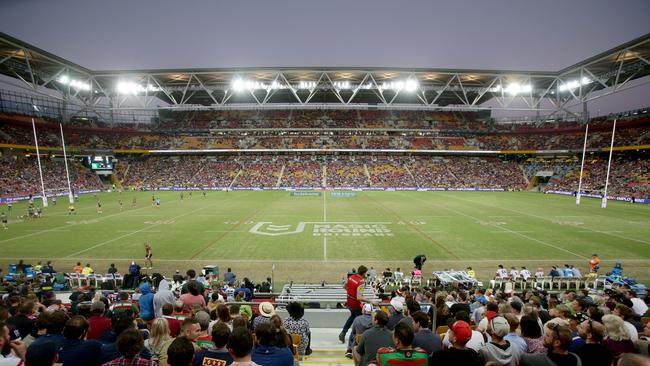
{"x": 355, "y": 287}
{"x": 174, "y": 323}
{"x": 98, "y": 323}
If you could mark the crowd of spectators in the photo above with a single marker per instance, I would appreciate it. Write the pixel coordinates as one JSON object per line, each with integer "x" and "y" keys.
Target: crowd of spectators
{"x": 20, "y": 176}
{"x": 192, "y": 320}
{"x": 329, "y": 130}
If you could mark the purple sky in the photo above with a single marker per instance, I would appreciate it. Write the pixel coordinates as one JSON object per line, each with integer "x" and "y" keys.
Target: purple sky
{"x": 483, "y": 34}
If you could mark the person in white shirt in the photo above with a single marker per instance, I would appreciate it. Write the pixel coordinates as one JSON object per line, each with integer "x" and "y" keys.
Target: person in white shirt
{"x": 524, "y": 273}
{"x": 501, "y": 272}
{"x": 398, "y": 274}
{"x": 514, "y": 274}
{"x": 539, "y": 273}
{"x": 638, "y": 305}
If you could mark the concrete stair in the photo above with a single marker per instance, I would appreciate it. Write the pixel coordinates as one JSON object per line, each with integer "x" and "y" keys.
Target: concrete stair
{"x": 327, "y": 357}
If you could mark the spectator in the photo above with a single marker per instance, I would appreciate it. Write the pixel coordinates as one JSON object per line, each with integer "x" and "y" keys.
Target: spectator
{"x": 593, "y": 352}
{"x": 617, "y": 340}
{"x": 266, "y": 353}
{"x": 180, "y": 352}
{"x": 424, "y": 337}
{"x": 75, "y": 350}
{"x": 43, "y": 355}
{"x": 54, "y": 323}
{"x": 220, "y": 334}
{"x": 403, "y": 351}
{"x": 458, "y": 354}
{"x": 99, "y": 324}
{"x": 129, "y": 344}
{"x": 173, "y": 323}
{"x": 498, "y": 349}
{"x": 163, "y": 296}
{"x": 360, "y": 324}
{"x": 146, "y": 302}
{"x": 159, "y": 335}
{"x": 373, "y": 339}
{"x": 192, "y": 296}
{"x": 557, "y": 339}
{"x": 296, "y": 324}
{"x": 240, "y": 345}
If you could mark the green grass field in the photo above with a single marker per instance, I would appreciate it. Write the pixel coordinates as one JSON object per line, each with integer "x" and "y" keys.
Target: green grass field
{"x": 315, "y": 238}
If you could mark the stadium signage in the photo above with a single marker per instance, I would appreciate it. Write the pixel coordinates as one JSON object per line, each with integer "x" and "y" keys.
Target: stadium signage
{"x": 306, "y": 194}
{"x": 356, "y": 229}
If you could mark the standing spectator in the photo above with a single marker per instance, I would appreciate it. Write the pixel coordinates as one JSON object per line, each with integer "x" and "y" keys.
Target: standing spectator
{"x": 355, "y": 287}
{"x": 191, "y": 278}
{"x": 229, "y": 277}
{"x": 192, "y": 296}
{"x": 163, "y": 296}
{"x": 419, "y": 261}
{"x": 24, "y": 321}
{"x": 146, "y": 302}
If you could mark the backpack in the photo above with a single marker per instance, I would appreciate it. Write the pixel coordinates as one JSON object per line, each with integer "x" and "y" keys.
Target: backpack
{"x": 391, "y": 356}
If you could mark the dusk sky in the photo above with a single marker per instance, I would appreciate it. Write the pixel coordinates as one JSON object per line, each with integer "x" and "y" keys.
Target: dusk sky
{"x": 481, "y": 34}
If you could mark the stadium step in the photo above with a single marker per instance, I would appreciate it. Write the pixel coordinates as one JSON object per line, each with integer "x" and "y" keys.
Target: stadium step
{"x": 327, "y": 357}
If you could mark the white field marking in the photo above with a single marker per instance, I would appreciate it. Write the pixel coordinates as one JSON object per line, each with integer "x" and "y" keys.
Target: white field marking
{"x": 599, "y": 231}
{"x": 66, "y": 225}
{"x": 514, "y": 232}
{"x": 52, "y": 230}
{"x": 505, "y": 216}
{"x": 347, "y": 222}
{"x": 324, "y": 219}
{"x": 511, "y": 232}
{"x": 467, "y": 260}
{"x": 552, "y": 220}
{"x": 135, "y": 232}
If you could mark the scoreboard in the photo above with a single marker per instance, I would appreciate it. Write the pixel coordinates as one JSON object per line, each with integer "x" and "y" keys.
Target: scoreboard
{"x": 100, "y": 162}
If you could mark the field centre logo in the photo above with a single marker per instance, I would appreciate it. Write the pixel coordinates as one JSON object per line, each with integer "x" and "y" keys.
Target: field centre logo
{"x": 325, "y": 228}
{"x": 267, "y": 228}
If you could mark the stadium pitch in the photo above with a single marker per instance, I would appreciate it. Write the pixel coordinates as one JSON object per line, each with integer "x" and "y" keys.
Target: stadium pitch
{"x": 320, "y": 235}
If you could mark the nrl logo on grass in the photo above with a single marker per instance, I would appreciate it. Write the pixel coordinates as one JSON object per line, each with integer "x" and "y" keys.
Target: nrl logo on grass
{"x": 267, "y": 228}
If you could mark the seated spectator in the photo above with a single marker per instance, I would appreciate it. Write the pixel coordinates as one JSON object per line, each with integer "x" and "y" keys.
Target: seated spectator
{"x": 163, "y": 296}
{"x": 204, "y": 340}
{"x": 476, "y": 341}
{"x": 191, "y": 330}
{"x": 458, "y": 354}
{"x": 266, "y": 310}
{"x": 180, "y": 352}
{"x": 396, "y": 310}
{"x": 593, "y": 352}
{"x": 266, "y": 352}
{"x": 124, "y": 305}
{"x": 24, "y": 320}
{"x": 532, "y": 334}
{"x": 498, "y": 349}
{"x": 512, "y": 336}
{"x": 373, "y": 339}
{"x": 174, "y": 324}
{"x": 297, "y": 324}
{"x": 617, "y": 340}
{"x": 120, "y": 324}
{"x": 404, "y": 352}
{"x": 129, "y": 345}
{"x": 557, "y": 339}
{"x": 193, "y": 296}
{"x": 54, "y": 323}
{"x": 75, "y": 350}
{"x": 240, "y": 345}
{"x": 99, "y": 324}
{"x": 159, "y": 335}
{"x": 43, "y": 355}
{"x": 423, "y": 337}
{"x": 220, "y": 334}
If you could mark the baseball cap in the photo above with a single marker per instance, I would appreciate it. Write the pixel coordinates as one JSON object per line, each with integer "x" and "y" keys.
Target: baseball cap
{"x": 397, "y": 305}
{"x": 491, "y": 315}
{"x": 462, "y": 331}
{"x": 500, "y": 326}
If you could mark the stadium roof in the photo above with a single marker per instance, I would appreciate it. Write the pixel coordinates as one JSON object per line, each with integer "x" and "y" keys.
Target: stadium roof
{"x": 323, "y": 87}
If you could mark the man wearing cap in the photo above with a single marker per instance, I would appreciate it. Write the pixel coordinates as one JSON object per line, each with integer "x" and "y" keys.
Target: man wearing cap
{"x": 457, "y": 354}
{"x": 499, "y": 350}
{"x": 476, "y": 341}
{"x": 355, "y": 287}
{"x": 396, "y": 313}
{"x": 360, "y": 324}
{"x": 557, "y": 339}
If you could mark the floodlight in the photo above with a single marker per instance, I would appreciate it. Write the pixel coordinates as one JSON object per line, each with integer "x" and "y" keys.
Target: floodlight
{"x": 238, "y": 85}
{"x": 411, "y": 85}
{"x": 64, "y": 79}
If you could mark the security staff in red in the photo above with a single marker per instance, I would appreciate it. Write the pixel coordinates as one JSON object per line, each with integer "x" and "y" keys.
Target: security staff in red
{"x": 355, "y": 287}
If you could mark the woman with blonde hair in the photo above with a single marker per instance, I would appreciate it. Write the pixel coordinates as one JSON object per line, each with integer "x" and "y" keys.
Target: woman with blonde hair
{"x": 617, "y": 340}
{"x": 159, "y": 336}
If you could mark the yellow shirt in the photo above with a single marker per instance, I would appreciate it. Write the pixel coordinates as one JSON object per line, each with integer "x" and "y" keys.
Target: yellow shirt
{"x": 87, "y": 271}
{"x": 471, "y": 273}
